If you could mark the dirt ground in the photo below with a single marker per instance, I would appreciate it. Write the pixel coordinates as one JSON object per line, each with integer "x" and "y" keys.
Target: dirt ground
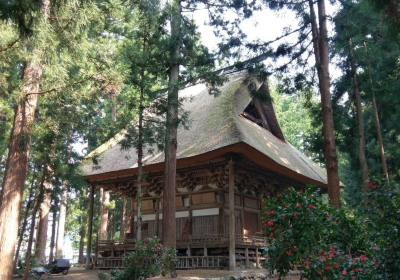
{"x": 81, "y": 274}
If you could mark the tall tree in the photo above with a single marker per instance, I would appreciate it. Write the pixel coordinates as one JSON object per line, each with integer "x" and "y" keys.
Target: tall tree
{"x": 171, "y": 141}
{"x": 18, "y": 154}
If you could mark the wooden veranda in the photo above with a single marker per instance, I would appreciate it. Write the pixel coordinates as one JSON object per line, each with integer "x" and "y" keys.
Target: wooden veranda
{"x": 194, "y": 252}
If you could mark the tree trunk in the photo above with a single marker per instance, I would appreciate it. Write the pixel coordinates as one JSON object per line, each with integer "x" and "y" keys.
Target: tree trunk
{"x": 32, "y": 230}
{"x": 44, "y": 210}
{"x": 104, "y": 217}
{"x": 360, "y": 124}
{"x": 139, "y": 161}
{"x": 378, "y": 132}
{"x": 171, "y": 141}
{"x": 53, "y": 234}
{"x": 61, "y": 219}
{"x": 16, "y": 166}
{"x": 123, "y": 220}
{"x": 321, "y": 52}
{"x": 24, "y": 223}
{"x": 82, "y": 232}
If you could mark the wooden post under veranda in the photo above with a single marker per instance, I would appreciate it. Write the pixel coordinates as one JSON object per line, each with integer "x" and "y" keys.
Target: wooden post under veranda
{"x": 232, "y": 258}
{"x": 90, "y": 225}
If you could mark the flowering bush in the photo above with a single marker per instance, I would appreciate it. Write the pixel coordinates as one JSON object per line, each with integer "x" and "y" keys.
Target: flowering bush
{"x": 383, "y": 226}
{"x": 302, "y": 230}
{"x": 149, "y": 259}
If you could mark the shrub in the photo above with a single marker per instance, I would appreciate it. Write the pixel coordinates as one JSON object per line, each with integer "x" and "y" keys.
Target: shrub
{"x": 383, "y": 226}
{"x": 149, "y": 259}
{"x": 302, "y": 230}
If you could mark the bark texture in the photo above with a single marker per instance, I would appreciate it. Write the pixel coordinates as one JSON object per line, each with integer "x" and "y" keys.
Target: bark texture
{"x": 171, "y": 141}
{"x": 321, "y": 52}
{"x": 24, "y": 223}
{"x": 44, "y": 210}
{"x": 16, "y": 167}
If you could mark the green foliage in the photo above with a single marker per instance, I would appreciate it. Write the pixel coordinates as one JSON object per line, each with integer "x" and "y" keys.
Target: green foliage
{"x": 149, "y": 259}
{"x": 328, "y": 243}
{"x": 383, "y": 226}
{"x": 300, "y": 227}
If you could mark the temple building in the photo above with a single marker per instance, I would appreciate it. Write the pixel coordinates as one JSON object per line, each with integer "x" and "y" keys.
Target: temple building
{"x": 233, "y": 153}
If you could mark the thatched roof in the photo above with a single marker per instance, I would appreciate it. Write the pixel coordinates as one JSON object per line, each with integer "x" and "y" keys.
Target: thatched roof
{"x": 218, "y": 126}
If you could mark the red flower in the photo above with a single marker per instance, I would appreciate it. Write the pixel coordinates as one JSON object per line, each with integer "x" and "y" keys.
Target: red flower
{"x": 300, "y": 191}
{"x": 298, "y": 204}
{"x": 375, "y": 248}
{"x": 362, "y": 257}
{"x": 372, "y": 185}
{"x": 319, "y": 271}
{"x": 331, "y": 255}
{"x": 294, "y": 247}
{"x": 270, "y": 223}
{"x": 327, "y": 267}
{"x": 311, "y": 206}
{"x": 336, "y": 265}
{"x": 344, "y": 272}
{"x": 288, "y": 253}
{"x": 324, "y": 259}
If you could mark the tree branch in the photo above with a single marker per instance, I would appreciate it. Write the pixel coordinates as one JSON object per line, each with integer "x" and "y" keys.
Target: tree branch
{"x": 61, "y": 87}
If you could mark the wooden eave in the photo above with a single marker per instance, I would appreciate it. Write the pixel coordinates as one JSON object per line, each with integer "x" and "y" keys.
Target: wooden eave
{"x": 239, "y": 148}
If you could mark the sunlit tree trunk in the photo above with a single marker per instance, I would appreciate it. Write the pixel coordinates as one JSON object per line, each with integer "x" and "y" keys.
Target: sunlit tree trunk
{"x": 61, "y": 219}
{"x": 25, "y": 221}
{"x": 104, "y": 217}
{"x": 321, "y": 52}
{"x": 53, "y": 234}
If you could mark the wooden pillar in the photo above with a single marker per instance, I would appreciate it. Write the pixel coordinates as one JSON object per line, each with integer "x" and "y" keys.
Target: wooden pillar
{"x": 221, "y": 223}
{"x": 232, "y": 257}
{"x": 257, "y": 259}
{"x": 246, "y": 253}
{"x": 190, "y": 215}
{"x": 90, "y": 225}
{"x": 123, "y": 220}
{"x": 157, "y": 220}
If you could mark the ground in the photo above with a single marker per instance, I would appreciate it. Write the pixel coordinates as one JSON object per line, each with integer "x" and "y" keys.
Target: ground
{"x": 81, "y": 274}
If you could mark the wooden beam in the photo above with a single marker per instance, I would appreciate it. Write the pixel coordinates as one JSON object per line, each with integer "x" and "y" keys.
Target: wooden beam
{"x": 90, "y": 225}
{"x": 232, "y": 258}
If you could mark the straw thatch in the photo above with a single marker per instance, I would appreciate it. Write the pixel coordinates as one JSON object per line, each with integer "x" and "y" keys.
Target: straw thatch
{"x": 217, "y": 127}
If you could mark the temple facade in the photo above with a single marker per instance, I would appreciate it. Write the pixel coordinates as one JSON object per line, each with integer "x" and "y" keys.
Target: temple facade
{"x": 233, "y": 154}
